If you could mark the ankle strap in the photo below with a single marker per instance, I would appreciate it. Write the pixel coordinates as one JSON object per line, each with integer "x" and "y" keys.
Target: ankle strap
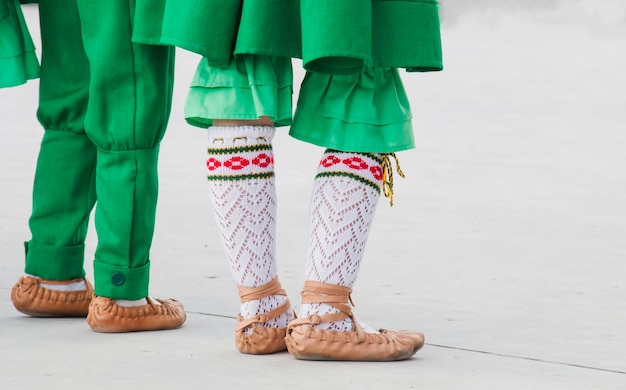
{"x": 247, "y": 294}
{"x": 261, "y": 318}
{"x": 332, "y": 295}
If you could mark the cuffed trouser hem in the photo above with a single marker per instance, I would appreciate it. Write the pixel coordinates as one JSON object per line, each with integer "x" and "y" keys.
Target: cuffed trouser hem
{"x": 127, "y": 186}
{"x": 54, "y": 263}
{"x": 121, "y": 283}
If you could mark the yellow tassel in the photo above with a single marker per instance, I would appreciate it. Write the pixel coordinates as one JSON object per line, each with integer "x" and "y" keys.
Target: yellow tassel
{"x": 388, "y": 175}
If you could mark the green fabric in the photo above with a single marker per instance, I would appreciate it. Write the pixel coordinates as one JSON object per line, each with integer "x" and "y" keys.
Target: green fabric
{"x": 332, "y": 36}
{"x": 18, "y": 62}
{"x": 368, "y": 112}
{"x": 403, "y": 34}
{"x": 127, "y": 186}
{"x": 131, "y": 84}
{"x": 5, "y": 12}
{"x": 352, "y": 98}
{"x": 147, "y": 28}
{"x": 64, "y": 83}
{"x": 121, "y": 282}
{"x": 250, "y": 87}
{"x": 335, "y": 35}
{"x": 63, "y": 197}
{"x": 216, "y": 29}
{"x": 64, "y": 187}
{"x": 55, "y": 262}
{"x": 413, "y": 27}
{"x": 129, "y": 106}
{"x": 176, "y": 23}
{"x": 270, "y": 27}
{"x": 104, "y": 110}
{"x": 309, "y": 126}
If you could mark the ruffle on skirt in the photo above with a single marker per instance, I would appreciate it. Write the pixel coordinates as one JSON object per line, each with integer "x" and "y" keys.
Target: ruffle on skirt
{"x": 331, "y": 36}
{"x": 250, "y": 87}
{"x": 367, "y": 112}
{"x": 18, "y": 62}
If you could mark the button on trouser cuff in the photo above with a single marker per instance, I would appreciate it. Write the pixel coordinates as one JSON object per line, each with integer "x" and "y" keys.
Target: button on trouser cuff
{"x": 121, "y": 283}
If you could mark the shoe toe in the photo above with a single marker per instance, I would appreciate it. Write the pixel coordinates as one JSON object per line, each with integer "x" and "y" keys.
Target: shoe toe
{"x": 106, "y": 316}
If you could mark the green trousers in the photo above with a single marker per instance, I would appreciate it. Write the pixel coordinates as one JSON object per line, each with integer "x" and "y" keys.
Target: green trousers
{"x": 104, "y": 105}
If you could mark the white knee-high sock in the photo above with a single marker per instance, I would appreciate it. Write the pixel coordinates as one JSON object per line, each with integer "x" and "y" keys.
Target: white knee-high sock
{"x": 345, "y": 193}
{"x": 241, "y": 185}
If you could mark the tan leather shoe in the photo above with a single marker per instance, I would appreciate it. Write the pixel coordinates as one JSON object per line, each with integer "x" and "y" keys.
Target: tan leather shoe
{"x": 106, "y": 316}
{"x": 260, "y": 340}
{"x": 306, "y": 342}
{"x": 29, "y": 297}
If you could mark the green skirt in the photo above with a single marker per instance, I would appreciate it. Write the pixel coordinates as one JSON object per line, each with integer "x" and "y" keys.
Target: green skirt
{"x": 331, "y": 36}
{"x": 18, "y": 62}
{"x": 365, "y": 112}
{"x": 250, "y": 87}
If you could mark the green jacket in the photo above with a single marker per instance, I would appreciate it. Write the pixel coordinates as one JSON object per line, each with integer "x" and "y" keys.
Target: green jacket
{"x": 331, "y": 36}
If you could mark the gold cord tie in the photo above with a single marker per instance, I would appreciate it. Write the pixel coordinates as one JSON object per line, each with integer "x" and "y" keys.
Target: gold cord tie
{"x": 388, "y": 175}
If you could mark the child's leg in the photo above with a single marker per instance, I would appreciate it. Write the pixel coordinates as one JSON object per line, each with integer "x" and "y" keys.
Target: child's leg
{"x": 64, "y": 186}
{"x": 242, "y": 190}
{"x": 367, "y": 112}
{"x": 242, "y": 103}
{"x": 130, "y": 90}
{"x": 345, "y": 194}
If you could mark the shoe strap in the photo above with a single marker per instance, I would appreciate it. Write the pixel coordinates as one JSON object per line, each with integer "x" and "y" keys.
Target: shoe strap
{"x": 263, "y": 317}
{"x": 333, "y": 295}
{"x": 330, "y": 294}
{"x": 247, "y": 294}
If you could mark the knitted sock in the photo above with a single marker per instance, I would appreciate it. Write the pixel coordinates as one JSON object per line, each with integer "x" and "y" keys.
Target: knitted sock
{"x": 133, "y": 303}
{"x": 74, "y": 286}
{"x": 345, "y": 193}
{"x": 241, "y": 185}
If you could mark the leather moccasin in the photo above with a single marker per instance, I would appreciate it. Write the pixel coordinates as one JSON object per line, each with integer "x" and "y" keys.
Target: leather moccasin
{"x": 309, "y": 343}
{"x": 259, "y": 340}
{"x": 106, "y": 316}
{"x": 250, "y": 336}
{"x": 29, "y": 297}
{"x": 305, "y": 341}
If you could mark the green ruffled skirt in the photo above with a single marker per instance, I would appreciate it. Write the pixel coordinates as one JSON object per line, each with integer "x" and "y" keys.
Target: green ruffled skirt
{"x": 352, "y": 98}
{"x": 18, "y": 62}
{"x": 331, "y": 36}
{"x": 365, "y": 112}
{"x": 250, "y": 87}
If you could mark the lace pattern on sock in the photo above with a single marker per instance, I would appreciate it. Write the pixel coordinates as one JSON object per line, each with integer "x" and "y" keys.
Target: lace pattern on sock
{"x": 242, "y": 190}
{"x": 343, "y": 204}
